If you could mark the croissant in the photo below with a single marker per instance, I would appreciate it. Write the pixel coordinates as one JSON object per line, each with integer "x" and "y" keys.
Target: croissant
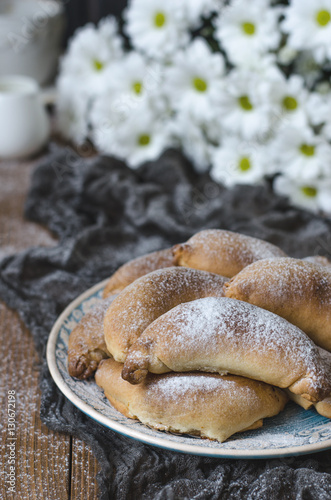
{"x": 227, "y": 336}
{"x": 150, "y": 296}
{"x": 87, "y": 345}
{"x": 319, "y": 259}
{"x": 297, "y": 290}
{"x": 223, "y": 252}
{"x": 323, "y": 407}
{"x": 207, "y": 405}
{"x": 136, "y": 268}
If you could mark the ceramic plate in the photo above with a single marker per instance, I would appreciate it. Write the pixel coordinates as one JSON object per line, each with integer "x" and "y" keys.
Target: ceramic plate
{"x": 293, "y": 432}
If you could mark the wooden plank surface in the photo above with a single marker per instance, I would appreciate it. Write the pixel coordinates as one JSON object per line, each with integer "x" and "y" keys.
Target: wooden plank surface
{"x": 84, "y": 469}
{"x": 48, "y": 465}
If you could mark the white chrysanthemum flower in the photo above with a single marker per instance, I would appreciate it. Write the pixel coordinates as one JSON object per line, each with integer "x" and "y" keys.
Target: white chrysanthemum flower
{"x": 286, "y": 55}
{"x": 238, "y": 162}
{"x": 308, "y": 23}
{"x": 91, "y": 51}
{"x": 319, "y": 112}
{"x": 323, "y": 88}
{"x": 244, "y": 107}
{"x": 157, "y": 28}
{"x": 306, "y": 66}
{"x": 134, "y": 80}
{"x": 135, "y": 137}
{"x": 289, "y": 96}
{"x": 300, "y": 154}
{"x": 194, "y": 79}
{"x": 199, "y": 9}
{"x": 264, "y": 65}
{"x": 192, "y": 136}
{"x": 247, "y": 28}
{"x": 72, "y": 110}
{"x": 326, "y": 130}
{"x": 314, "y": 195}
{"x": 132, "y": 84}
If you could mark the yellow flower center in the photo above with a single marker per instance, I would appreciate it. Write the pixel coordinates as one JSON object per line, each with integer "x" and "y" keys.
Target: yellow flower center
{"x": 290, "y": 103}
{"x": 248, "y": 28}
{"x": 200, "y": 85}
{"x": 244, "y": 164}
{"x": 144, "y": 140}
{"x": 159, "y": 19}
{"x": 245, "y": 103}
{"x": 323, "y": 17}
{"x": 98, "y": 65}
{"x": 137, "y": 87}
{"x": 307, "y": 149}
{"x": 309, "y": 191}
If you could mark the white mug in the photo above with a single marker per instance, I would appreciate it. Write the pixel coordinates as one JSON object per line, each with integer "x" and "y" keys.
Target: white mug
{"x": 24, "y": 124}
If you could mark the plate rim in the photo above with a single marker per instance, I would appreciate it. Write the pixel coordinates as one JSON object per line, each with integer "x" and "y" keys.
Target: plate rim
{"x": 160, "y": 442}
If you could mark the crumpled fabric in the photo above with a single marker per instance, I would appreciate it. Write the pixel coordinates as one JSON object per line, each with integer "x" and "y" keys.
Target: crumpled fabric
{"x": 105, "y": 214}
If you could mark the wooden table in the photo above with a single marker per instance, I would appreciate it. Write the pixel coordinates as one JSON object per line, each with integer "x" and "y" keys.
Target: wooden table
{"x": 48, "y": 465}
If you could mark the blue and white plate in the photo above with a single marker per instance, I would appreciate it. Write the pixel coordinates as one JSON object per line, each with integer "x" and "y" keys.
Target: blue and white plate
{"x": 293, "y": 432}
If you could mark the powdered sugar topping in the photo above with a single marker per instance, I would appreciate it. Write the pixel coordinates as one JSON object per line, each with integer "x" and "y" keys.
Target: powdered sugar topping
{"x": 213, "y": 241}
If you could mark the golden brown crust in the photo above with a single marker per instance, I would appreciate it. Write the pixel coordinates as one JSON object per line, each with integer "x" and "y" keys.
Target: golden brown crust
{"x": 299, "y": 400}
{"x": 150, "y": 296}
{"x": 223, "y": 252}
{"x": 136, "y": 268}
{"x": 319, "y": 259}
{"x": 227, "y": 336}
{"x": 295, "y": 289}
{"x": 324, "y": 407}
{"x": 208, "y": 405}
{"x": 87, "y": 345}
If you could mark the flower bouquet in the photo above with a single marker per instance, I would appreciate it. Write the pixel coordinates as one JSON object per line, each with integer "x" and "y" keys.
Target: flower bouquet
{"x": 243, "y": 88}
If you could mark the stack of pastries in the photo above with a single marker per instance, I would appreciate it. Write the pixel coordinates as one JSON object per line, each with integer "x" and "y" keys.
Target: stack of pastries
{"x": 210, "y": 336}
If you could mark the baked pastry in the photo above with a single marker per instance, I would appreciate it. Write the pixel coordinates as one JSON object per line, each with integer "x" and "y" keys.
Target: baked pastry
{"x": 223, "y": 252}
{"x": 150, "y": 296}
{"x": 87, "y": 345}
{"x": 319, "y": 259}
{"x": 208, "y": 405}
{"x": 295, "y": 289}
{"x": 136, "y": 268}
{"x": 323, "y": 407}
{"x": 227, "y": 336}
